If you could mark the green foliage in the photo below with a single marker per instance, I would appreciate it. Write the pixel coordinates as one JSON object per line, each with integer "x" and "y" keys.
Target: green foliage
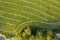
{"x": 36, "y": 33}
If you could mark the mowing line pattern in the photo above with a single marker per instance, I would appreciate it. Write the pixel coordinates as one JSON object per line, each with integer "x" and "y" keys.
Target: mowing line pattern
{"x": 40, "y": 10}
{"x": 19, "y": 12}
{"x": 31, "y": 7}
{"x": 26, "y": 11}
{"x": 15, "y": 14}
{"x": 8, "y": 23}
{"x": 41, "y": 6}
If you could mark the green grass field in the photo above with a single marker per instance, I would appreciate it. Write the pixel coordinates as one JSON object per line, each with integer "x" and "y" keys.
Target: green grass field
{"x": 14, "y": 13}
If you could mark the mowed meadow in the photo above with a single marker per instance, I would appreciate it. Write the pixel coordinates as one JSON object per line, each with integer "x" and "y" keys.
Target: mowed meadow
{"x": 22, "y": 18}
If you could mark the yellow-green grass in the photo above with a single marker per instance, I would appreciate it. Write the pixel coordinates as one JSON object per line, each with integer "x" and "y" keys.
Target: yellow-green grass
{"x": 15, "y": 12}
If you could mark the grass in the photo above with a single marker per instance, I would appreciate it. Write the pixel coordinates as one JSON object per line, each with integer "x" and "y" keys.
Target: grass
{"x": 14, "y": 13}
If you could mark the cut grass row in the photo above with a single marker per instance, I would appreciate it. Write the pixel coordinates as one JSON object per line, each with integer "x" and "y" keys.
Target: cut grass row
{"x": 41, "y": 13}
{"x": 6, "y": 27}
{"x": 47, "y": 5}
{"x": 53, "y": 2}
{"x": 44, "y": 12}
{"x": 23, "y": 13}
{"x": 28, "y": 10}
{"x": 39, "y": 8}
{"x": 13, "y": 16}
